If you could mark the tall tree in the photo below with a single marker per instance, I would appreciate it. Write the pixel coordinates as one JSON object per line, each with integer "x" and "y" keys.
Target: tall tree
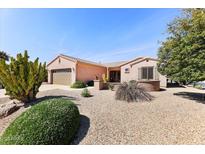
{"x": 3, "y": 55}
{"x": 182, "y": 54}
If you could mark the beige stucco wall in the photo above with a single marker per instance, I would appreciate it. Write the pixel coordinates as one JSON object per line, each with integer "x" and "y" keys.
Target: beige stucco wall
{"x": 62, "y": 63}
{"x": 84, "y": 72}
{"x": 133, "y": 74}
{"x": 163, "y": 80}
{"x": 87, "y": 72}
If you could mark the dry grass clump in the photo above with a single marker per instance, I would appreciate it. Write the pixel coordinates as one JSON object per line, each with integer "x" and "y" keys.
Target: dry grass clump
{"x": 132, "y": 92}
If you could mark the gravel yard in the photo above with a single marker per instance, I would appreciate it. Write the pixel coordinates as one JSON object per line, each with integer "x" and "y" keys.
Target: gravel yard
{"x": 175, "y": 116}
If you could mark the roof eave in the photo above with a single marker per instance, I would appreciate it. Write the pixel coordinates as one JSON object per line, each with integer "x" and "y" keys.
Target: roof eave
{"x": 131, "y": 61}
{"x": 62, "y": 56}
{"x": 147, "y": 58}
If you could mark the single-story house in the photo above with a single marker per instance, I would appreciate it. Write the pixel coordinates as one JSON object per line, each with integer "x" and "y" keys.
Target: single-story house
{"x": 66, "y": 70}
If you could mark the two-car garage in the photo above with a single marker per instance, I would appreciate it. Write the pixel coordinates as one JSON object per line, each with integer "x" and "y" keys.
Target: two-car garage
{"x": 62, "y": 76}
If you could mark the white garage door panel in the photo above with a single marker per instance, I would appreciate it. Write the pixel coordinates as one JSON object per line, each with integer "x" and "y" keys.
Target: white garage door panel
{"x": 62, "y": 77}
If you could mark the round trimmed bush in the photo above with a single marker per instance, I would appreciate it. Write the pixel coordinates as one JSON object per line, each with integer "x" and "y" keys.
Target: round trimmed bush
{"x": 86, "y": 93}
{"x": 51, "y": 122}
{"x": 78, "y": 84}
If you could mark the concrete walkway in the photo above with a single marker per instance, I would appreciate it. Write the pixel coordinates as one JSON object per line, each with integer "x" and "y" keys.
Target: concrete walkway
{"x": 46, "y": 87}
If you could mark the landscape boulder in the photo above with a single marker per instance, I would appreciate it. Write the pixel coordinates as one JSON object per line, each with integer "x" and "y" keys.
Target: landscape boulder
{"x": 8, "y": 108}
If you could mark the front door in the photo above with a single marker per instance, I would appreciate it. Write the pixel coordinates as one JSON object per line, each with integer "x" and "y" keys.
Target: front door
{"x": 114, "y": 76}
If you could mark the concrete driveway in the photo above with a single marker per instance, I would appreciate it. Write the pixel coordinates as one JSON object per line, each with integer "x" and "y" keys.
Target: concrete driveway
{"x": 45, "y": 87}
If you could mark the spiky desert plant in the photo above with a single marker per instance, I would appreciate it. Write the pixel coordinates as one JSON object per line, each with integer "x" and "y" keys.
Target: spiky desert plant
{"x": 104, "y": 78}
{"x": 21, "y": 77}
{"x": 110, "y": 86}
{"x": 4, "y": 55}
{"x": 132, "y": 92}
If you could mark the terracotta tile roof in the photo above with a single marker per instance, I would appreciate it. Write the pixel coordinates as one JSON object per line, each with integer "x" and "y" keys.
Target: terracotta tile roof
{"x": 115, "y": 64}
{"x": 82, "y": 60}
{"x": 133, "y": 60}
{"x": 141, "y": 60}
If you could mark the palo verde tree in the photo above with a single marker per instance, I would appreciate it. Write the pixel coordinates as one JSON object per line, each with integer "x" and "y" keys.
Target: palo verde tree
{"x": 21, "y": 77}
{"x": 182, "y": 54}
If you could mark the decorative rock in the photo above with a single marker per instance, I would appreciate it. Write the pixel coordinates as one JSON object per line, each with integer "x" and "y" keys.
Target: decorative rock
{"x": 8, "y": 108}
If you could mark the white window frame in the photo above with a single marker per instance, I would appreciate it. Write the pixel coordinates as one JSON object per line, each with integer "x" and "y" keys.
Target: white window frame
{"x": 147, "y": 73}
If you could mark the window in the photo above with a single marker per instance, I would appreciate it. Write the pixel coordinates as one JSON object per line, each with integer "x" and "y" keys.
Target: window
{"x": 147, "y": 73}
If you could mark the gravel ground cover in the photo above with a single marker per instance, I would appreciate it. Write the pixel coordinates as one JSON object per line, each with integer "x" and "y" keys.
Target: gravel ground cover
{"x": 174, "y": 116}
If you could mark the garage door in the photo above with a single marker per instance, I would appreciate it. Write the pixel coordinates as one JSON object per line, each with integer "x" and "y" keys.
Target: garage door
{"x": 62, "y": 76}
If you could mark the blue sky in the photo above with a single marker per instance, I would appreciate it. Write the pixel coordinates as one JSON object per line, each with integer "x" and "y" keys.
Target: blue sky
{"x": 101, "y": 35}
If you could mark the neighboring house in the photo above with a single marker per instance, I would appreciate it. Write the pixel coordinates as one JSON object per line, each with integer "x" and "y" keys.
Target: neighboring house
{"x": 66, "y": 70}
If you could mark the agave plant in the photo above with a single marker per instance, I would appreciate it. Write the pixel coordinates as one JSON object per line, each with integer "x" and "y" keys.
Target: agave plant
{"x": 132, "y": 92}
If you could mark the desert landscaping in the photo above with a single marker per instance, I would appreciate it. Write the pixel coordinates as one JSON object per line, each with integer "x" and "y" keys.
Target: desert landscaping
{"x": 174, "y": 116}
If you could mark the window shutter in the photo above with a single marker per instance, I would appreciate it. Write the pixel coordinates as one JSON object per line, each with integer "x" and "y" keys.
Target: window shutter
{"x": 156, "y": 73}
{"x": 151, "y": 72}
{"x": 139, "y": 73}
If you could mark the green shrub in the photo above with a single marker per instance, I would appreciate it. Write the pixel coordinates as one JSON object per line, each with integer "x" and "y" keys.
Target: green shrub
{"x": 78, "y": 84}
{"x": 22, "y": 78}
{"x": 132, "y": 92}
{"x": 52, "y": 121}
{"x": 198, "y": 86}
{"x": 110, "y": 86}
{"x": 90, "y": 83}
{"x": 85, "y": 93}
